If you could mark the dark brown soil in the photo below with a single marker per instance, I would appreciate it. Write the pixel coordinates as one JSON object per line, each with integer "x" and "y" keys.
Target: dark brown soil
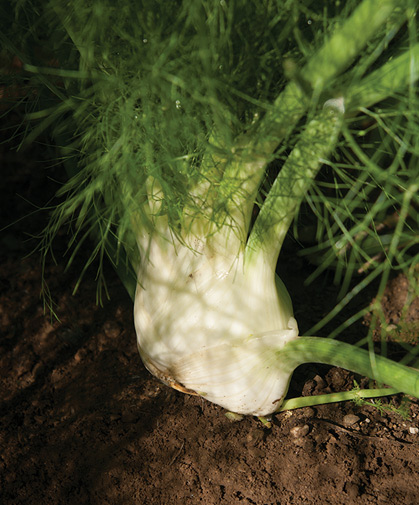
{"x": 82, "y": 421}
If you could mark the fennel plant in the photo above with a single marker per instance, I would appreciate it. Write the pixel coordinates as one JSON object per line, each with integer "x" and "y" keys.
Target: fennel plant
{"x": 195, "y": 133}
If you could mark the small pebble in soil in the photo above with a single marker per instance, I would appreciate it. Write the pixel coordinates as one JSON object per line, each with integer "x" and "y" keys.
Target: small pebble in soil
{"x": 319, "y": 381}
{"x": 352, "y": 490}
{"x": 413, "y": 430}
{"x": 308, "y": 412}
{"x": 350, "y": 420}
{"x": 299, "y": 431}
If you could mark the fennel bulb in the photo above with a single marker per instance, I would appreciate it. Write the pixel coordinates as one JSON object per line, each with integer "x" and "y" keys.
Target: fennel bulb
{"x": 211, "y": 316}
{"x": 209, "y": 323}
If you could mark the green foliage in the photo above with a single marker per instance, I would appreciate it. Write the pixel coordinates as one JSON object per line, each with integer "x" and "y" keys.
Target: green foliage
{"x": 162, "y": 108}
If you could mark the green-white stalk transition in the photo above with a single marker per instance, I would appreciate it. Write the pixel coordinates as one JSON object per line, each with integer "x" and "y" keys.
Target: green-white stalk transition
{"x": 210, "y": 314}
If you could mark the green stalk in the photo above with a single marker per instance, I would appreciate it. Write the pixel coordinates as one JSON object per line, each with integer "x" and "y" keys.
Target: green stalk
{"x": 397, "y": 74}
{"x": 319, "y": 139}
{"x": 357, "y": 360}
{"x": 344, "y": 396}
{"x": 332, "y": 59}
{"x": 292, "y": 183}
{"x": 349, "y": 39}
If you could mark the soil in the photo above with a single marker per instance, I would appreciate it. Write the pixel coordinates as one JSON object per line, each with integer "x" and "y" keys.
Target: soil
{"x": 83, "y": 422}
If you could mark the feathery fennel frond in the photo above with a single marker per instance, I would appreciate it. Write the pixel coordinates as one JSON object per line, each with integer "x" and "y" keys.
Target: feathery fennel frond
{"x": 174, "y": 113}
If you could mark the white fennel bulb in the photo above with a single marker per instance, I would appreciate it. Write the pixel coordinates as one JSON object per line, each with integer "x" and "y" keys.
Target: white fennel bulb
{"x": 211, "y": 316}
{"x": 209, "y": 324}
